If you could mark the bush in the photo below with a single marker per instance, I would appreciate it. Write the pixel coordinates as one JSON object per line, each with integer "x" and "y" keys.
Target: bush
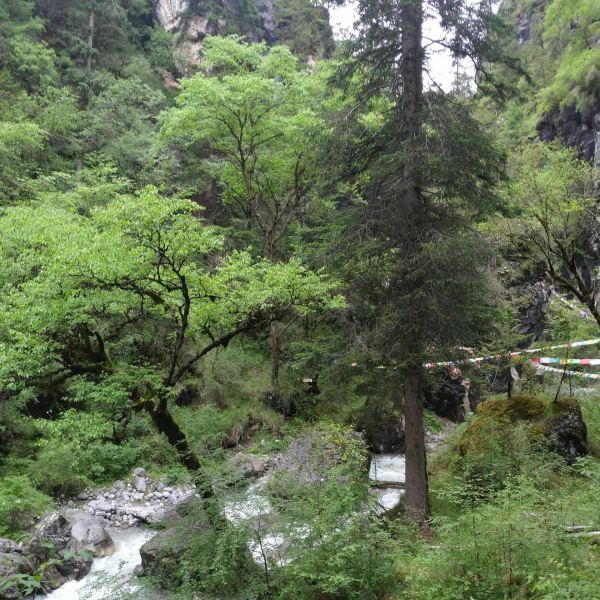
{"x": 590, "y": 408}
{"x": 20, "y": 502}
{"x": 575, "y": 83}
{"x": 357, "y": 561}
{"x": 211, "y": 429}
{"x": 59, "y": 471}
{"x": 201, "y": 553}
{"x": 514, "y": 546}
{"x": 74, "y": 454}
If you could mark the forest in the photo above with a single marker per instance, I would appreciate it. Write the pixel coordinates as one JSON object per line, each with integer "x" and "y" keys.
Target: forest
{"x": 299, "y": 299}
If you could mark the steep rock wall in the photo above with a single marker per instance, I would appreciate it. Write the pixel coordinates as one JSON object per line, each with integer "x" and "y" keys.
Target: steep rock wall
{"x": 575, "y": 128}
{"x": 257, "y": 20}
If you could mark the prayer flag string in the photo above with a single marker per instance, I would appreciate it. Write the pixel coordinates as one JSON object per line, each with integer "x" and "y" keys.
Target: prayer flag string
{"x": 567, "y": 373}
{"x": 582, "y": 312}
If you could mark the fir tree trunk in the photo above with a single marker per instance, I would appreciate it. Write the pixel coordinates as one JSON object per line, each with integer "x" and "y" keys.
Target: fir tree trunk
{"x": 411, "y": 71}
{"x": 91, "y": 27}
{"x": 275, "y": 354}
{"x": 417, "y": 488}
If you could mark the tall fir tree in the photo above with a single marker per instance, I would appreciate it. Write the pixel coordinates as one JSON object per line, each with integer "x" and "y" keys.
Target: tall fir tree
{"x": 419, "y": 281}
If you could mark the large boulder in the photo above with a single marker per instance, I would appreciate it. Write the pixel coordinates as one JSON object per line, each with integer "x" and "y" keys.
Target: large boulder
{"x": 451, "y": 396}
{"x": 312, "y": 456}
{"x": 13, "y": 562}
{"x": 557, "y": 426}
{"x": 75, "y": 530}
{"x": 65, "y": 542}
{"x": 566, "y": 431}
{"x": 88, "y": 534}
{"x": 73, "y": 538}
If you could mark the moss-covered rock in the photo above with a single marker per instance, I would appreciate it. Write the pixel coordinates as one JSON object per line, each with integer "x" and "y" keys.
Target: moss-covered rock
{"x": 557, "y": 426}
{"x": 198, "y": 550}
{"x": 516, "y": 408}
{"x": 566, "y": 431}
{"x": 162, "y": 553}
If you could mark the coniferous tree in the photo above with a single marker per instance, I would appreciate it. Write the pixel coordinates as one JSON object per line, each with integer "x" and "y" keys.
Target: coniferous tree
{"x": 419, "y": 277}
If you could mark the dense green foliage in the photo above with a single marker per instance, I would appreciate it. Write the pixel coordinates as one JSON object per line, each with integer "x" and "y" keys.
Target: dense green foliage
{"x": 208, "y": 262}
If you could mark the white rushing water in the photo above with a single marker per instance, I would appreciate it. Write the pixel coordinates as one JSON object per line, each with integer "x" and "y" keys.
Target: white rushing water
{"x": 253, "y": 503}
{"x": 388, "y": 468}
{"x": 111, "y": 577}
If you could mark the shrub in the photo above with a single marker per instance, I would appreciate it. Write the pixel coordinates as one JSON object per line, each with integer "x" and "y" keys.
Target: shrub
{"x": 203, "y": 554}
{"x": 575, "y": 83}
{"x": 75, "y": 453}
{"x": 355, "y": 562}
{"x": 514, "y": 546}
{"x": 20, "y": 502}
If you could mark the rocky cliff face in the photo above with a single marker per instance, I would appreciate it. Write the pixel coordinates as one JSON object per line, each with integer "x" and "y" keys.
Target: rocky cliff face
{"x": 574, "y": 128}
{"x": 169, "y": 11}
{"x": 257, "y": 20}
{"x": 526, "y": 20}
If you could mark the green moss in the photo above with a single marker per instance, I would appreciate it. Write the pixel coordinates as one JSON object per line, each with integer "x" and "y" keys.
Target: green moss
{"x": 563, "y": 405}
{"x": 491, "y": 431}
{"x": 516, "y": 408}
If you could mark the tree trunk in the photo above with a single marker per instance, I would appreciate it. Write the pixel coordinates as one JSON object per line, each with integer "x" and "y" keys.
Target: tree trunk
{"x": 91, "y": 24}
{"x": 411, "y": 72}
{"x": 417, "y": 488}
{"x": 165, "y": 423}
{"x": 275, "y": 353}
{"x": 274, "y": 329}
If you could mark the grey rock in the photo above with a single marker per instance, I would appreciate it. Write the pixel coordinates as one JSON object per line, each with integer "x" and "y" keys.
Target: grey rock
{"x": 450, "y": 396}
{"x": 574, "y": 128}
{"x": 567, "y": 434}
{"x": 523, "y": 28}
{"x": 147, "y": 514}
{"x": 103, "y": 505}
{"x": 249, "y": 465}
{"x": 13, "y": 562}
{"x": 139, "y": 472}
{"x": 75, "y": 531}
{"x": 309, "y": 457}
{"x": 10, "y": 546}
{"x": 140, "y": 483}
{"x": 87, "y": 533}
